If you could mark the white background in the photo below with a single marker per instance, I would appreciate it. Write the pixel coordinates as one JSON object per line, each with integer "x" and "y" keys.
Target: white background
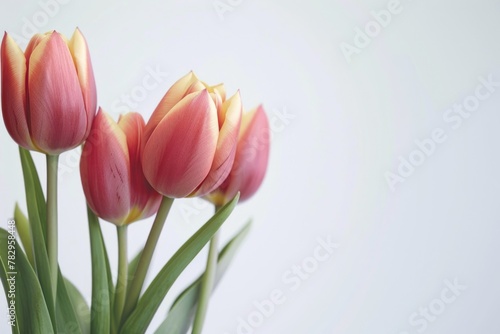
{"x": 350, "y": 123}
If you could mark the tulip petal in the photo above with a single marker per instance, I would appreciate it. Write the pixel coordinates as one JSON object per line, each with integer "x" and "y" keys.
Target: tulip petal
{"x": 144, "y": 200}
{"x": 218, "y": 94}
{"x": 104, "y": 169}
{"x": 221, "y": 89}
{"x": 178, "y": 155}
{"x": 34, "y": 41}
{"x": 57, "y": 111}
{"x": 14, "y": 100}
{"x": 132, "y": 124}
{"x": 186, "y": 85}
{"x": 226, "y": 145}
{"x": 81, "y": 57}
{"x": 252, "y": 155}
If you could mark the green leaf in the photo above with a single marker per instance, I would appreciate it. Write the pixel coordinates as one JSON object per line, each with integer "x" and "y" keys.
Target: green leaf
{"x": 24, "y": 233}
{"x": 147, "y": 306}
{"x": 181, "y": 313}
{"x": 100, "y": 311}
{"x": 32, "y": 314}
{"x": 67, "y": 320}
{"x": 80, "y": 305}
{"x": 132, "y": 267}
{"x": 27, "y": 161}
{"x": 111, "y": 286}
{"x": 35, "y": 201}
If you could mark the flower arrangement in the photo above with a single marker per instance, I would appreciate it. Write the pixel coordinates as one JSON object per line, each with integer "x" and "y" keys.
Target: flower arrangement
{"x": 197, "y": 143}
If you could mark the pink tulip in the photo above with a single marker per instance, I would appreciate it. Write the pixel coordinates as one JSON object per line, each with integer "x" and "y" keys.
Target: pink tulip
{"x": 48, "y": 92}
{"x": 190, "y": 139}
{"x": 250, "y": 162}
{"x": 111, "y": 170}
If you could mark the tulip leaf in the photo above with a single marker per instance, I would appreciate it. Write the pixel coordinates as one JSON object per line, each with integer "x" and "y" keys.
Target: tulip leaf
{"x": 80, "y": 306}
{"x": 181, "y": 313}
{"x": 111, "y": 286}
{"x": 67, "y": 320}
{"x": 102, "y": 292}
{"x": 132, "y": 267}
{"x": 24, "y": 233}
{"x": 35, "y": 201}
{"x": 31, "y": 312}
{"x": 147, "y": 306}
{"x": 27, "y": 162}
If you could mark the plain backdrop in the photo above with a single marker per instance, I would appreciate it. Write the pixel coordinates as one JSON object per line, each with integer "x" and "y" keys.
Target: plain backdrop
{"x": 341, "y": 126}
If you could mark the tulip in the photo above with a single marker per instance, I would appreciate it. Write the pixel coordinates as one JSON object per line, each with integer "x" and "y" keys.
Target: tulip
{"x": 190, "y": 139}
{"x": 114, "y": 183}
{"x": 111, "y": 172}
{"x": 48, "y": 104}
{"x": 247, "y": 173}
{"x": 48, "y": 92}
{"x": 189, "y": 147}
{"x": 250, "y": 162}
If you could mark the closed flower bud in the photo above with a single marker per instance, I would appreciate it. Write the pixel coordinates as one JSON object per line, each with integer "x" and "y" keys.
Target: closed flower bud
{"x": 48, "y": 92}
{"x": 190, "y": 139}
{"x": 250, "y": 162}
{"x": 111, "y": 170}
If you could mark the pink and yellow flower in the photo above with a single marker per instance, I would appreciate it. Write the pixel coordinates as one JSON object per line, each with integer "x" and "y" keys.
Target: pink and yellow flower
{"x": 48, "y": 92}
{"x": 111, "y": 170}
{"x": 190, "y": 140}
{"x": 250, "y": 162}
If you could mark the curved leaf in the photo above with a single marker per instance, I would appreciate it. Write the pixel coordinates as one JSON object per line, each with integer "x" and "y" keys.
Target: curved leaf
{"x": 35, "y": 201}
{"x": 24, "y": 233}
{"x": 147, "y": 306}
{"x": 102, "y": 296}
{"x": 80, "y": 305}
{"x": 181, "y": 313}
{"x": 27, "y": 161}
{"x": 132, "y": 267}
{"x": 32, "y": 314}
{"x": 67, "y": 320}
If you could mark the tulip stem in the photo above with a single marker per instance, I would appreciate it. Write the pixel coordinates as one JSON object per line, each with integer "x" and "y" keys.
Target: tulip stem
{"x": 207, "y": 282}
{"x": 146, "y": 256}
{"x": 121, "y": 280}
{"x": 52, "y": 164}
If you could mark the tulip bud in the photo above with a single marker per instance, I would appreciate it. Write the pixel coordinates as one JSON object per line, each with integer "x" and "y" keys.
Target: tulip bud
{"x": 111, "y": 170}
{"x": 190, "y": 139}
{"x": 250, "y": 162}
{"x": 48, "y": 92}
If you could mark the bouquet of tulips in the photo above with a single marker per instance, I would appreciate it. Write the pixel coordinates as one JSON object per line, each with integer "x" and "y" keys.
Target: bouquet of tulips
{"x": 197, "y": 143}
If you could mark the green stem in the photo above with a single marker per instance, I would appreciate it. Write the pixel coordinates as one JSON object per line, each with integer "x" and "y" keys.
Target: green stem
{"x": 146, "y": 256}
{"x": 121, "y": 280}
{"x": 207, "y": 283}
{"x": 52, "y": 161}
